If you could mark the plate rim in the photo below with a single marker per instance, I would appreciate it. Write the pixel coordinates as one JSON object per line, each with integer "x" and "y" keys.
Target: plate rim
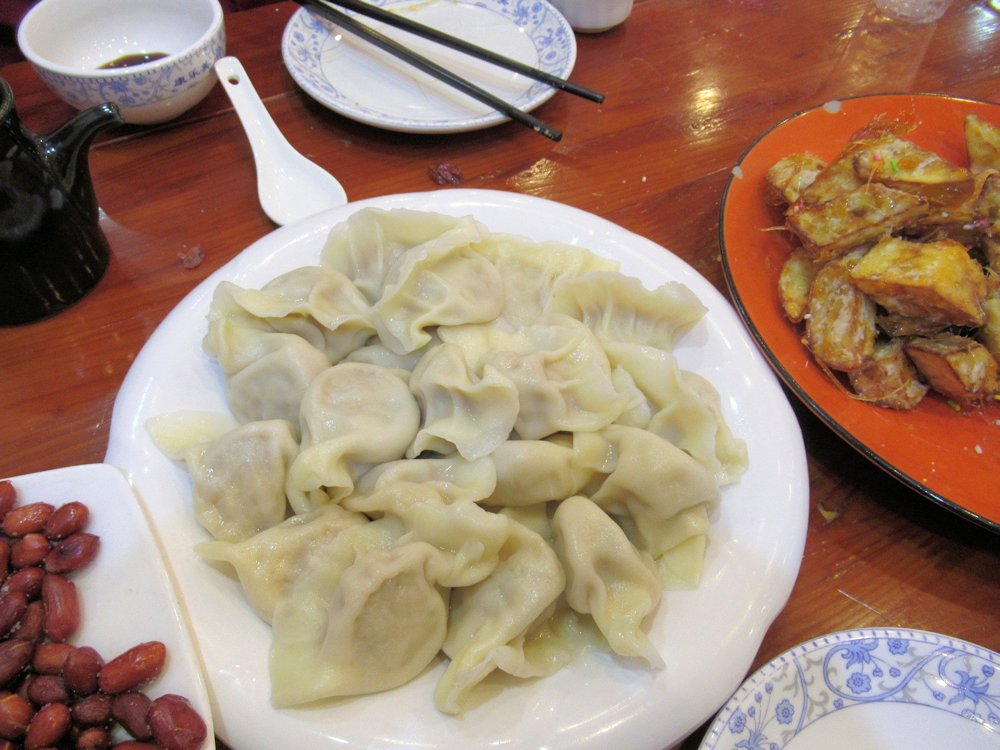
{"x": 870, "y": 453}
{"x": 830, "y": 641}
{"x": 782, "y": 561}
{"x": 416, "y": 126}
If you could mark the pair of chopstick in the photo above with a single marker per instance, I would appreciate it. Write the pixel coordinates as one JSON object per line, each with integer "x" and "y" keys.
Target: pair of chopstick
{"x": 333, "y": 14}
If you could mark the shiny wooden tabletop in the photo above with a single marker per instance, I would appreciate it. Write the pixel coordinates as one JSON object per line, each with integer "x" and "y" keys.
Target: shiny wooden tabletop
{"x": 689, "y": 84}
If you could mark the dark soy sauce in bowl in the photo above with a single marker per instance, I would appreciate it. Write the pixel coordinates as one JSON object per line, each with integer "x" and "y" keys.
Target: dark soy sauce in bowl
{"x": 131, "y": 59}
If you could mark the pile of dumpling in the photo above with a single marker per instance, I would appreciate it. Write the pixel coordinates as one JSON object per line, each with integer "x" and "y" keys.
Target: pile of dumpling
{"x": 445, "y": 439}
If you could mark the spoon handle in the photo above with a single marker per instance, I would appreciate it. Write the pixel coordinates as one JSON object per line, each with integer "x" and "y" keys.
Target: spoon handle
{"x": 250, "y": 109}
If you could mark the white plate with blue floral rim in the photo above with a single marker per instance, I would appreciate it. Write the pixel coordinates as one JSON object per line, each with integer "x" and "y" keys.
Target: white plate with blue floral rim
{"x": 707, "y": 637}
{"x": 357, "y": 80}
{"x": 880, "y": 689}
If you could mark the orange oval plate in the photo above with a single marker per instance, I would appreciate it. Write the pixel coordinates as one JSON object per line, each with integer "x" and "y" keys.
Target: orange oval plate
{"x": 950, "y": 457}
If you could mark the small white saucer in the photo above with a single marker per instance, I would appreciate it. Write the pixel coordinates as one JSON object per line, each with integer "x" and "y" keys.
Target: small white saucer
{"x": 880, "y": 689}
{"x": 357, "y": 80}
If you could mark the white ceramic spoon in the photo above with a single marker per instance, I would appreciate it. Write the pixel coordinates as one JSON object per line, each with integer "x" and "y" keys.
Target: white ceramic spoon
{"x": 291, "y": 187}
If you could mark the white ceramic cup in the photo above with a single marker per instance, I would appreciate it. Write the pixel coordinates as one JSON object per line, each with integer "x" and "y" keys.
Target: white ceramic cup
{"x": 591, "y": 16}
{"x": 914, "y": 11}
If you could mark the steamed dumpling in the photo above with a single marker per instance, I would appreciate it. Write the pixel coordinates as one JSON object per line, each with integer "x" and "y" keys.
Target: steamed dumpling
{"x": 562, "y": 375}
{"x": 663, "y": 497}
{"x": 354, "y": 416}
{"x": 683, "y": 408}
{"x": 238, "y": 476}
{"x": 469, "y": 537}
{"x": 269, "y": 562}
{"x": 607, "y": 577}
{"x": 529, "y": 271}
{"x": 319, "y": 304}
{"x": 620, "y": 308}
{"x": 370, "y": 626}
{"x": 272, "y": 386}
{"x": 441, "y": 283}
{"x": 535, "y": 471}
{"x": 461, "y": 412}
{"x": 497, "y": 613}
{"x": 452, "y": 477}
{"x": 366, "y": 246}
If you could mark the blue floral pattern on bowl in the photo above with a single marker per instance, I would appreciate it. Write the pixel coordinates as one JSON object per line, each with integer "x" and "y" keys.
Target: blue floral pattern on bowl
{"x": 133, "y": 89}
{"x": 855, "y": 668}
{"x": 307, "y": 36}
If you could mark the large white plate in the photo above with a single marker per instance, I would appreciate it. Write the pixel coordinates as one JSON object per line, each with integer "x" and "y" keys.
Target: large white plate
{"x": 126, "y": 597}
{"x": 880, "y": 689}
{"x": 358, "y": 80}
{"x": 707, "y": 637}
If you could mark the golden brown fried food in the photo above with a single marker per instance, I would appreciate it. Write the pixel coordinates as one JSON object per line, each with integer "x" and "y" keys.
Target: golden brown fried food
{"x": 794, "y": 282}
{"x": 902, "y": 165}
{"x": 986, "y": 209}
{"x": 989, "y": 334}
{"x": 787, "y": 178}
{"x": 898, "y": 253}
{"x": 936, "y": 281}
{"x": 889, "y": 379}
{"x": 982, "y": 141}
{"x": 840, "y": 326}
{"x": 837, "y": 178}
{"x": 955, "y": 366}
{"x": 862, "y": 216}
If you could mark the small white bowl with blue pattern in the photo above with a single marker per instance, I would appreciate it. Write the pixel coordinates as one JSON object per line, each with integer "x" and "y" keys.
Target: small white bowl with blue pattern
{"x": 153, "y": 58}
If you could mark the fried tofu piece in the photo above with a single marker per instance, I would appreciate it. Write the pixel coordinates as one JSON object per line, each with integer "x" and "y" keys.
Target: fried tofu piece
{"x": 860, "y": 217}
{"x": 982, "y": 141}
{"x": 787, "y": 178}
{"x": 900, "y": 325}
{"x": 840, "y": 326}
{"x": 986, "y": 209}
{"x": 937, "y": 281}
{"x": 838, "y": 178}
{"x": 991, "y": 249}
{"x": 902, "y": 165}
{"x": 960, "y": 221}
{"x": 989, "y": 332}
{"x": 889, "y": 379}
{"x": 794, "y": 282}
{"x": 955, "y": 366}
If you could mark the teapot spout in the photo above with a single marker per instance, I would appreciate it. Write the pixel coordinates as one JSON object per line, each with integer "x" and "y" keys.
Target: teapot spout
{"x": 66, "y": 151}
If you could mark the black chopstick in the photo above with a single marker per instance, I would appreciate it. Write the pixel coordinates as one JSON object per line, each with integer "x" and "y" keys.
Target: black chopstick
{"x": 427, "y": 32}
{"x": 430, "y": 67}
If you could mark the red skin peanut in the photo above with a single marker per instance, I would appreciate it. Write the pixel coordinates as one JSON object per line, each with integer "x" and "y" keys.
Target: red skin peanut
{"x": 62, "y": 607}
{"x": 133, "y": 668}
{"x": 67, "y": 519}
{"x": 12, "y": 607}
{"x": 175, "y": 723}
{"x": 25, "y": 519}
{"x": 30, "y": 549}
{"x": 47, "y": 727}
{"x": 73, "y": 553}
{"x": 15, "y": 656}
{"x": 131, "y": 710}
{"x": 82, "y": 667}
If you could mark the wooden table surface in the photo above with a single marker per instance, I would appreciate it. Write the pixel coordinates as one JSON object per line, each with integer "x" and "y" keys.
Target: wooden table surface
{"x": 689, "y": 84}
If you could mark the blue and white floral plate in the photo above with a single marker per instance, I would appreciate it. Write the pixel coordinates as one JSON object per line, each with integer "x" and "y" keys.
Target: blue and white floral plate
{"x": 354, "y": 78}
{"x": 875, "y": 689}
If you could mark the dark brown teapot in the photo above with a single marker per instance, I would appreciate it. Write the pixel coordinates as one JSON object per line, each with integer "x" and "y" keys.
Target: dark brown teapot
{"x": 52, "y": 249}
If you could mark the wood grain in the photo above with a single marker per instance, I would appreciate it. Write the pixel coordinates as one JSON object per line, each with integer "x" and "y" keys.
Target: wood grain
{"x": 690, "y": 84}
